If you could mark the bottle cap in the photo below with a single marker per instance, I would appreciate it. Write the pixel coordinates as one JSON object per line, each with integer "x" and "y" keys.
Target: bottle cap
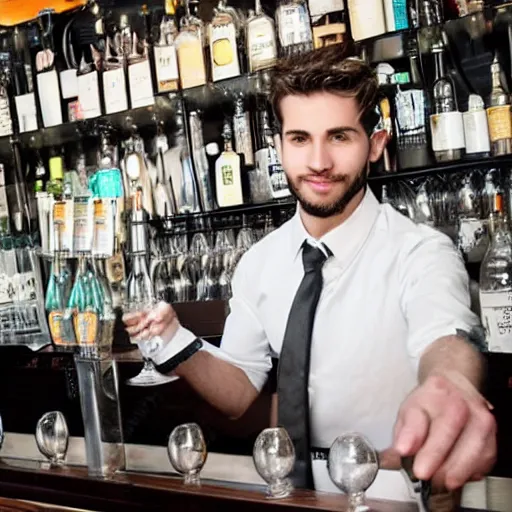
{"x": 212, "y": 149}
{"x": 475, "y": 102}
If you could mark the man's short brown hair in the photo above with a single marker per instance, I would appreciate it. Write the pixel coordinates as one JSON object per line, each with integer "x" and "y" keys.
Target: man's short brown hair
{"x": 330, "y": 69}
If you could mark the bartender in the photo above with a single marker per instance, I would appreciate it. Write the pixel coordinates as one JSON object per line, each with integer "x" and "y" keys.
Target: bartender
{"x": 368, "y": 312}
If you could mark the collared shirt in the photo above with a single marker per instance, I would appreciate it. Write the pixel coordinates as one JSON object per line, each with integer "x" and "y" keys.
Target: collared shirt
{"x": 391, "y": 289}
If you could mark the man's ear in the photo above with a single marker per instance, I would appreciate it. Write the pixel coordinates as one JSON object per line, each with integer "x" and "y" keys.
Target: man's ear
{"x": 378, "y": 142}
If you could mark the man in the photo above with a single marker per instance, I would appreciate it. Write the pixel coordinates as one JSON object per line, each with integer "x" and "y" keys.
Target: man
{"x": 389, "y": 352}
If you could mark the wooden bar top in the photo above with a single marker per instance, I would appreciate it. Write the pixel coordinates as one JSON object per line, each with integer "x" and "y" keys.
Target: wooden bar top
{"x": 72, "y": 487}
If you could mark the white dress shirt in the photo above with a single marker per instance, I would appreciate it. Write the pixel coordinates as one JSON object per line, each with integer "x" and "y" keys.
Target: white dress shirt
{"x": 391, "y": 288}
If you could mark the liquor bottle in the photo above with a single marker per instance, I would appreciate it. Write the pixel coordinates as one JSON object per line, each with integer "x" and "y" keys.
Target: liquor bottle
{"x": 496, "y": 289}
{"x": 24, "y": 98}
{"x": 268, "y": 161}
{"x": 83, "y": 306}
{"x": 242, "y": 129}
{"x": 56, "y": 165}
{"x": 107, "y": 180}
{"x": 228, "y": 178}
{"x": 166, "y": 62}
{"x": 201, "y": 162}
{"x": 366, "y": 18}
{"x": 190, "y": 49}
{"x": 261, "y": 40}
{"x": 114, "y": 82}
{"x": 498, "y": 114}
{"x": 139, "y": 76}
{"x": 476, "y": 129}
{"x": 294, "y": 29}
{"x": 61, "y": 328}
{"x": 222, "y": 37}
{"x": 446, "y": 122}
{"x": 179, "y": 162}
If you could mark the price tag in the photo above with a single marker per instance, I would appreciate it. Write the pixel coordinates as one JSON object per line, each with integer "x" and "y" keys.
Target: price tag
{"x": 141, "y": 85}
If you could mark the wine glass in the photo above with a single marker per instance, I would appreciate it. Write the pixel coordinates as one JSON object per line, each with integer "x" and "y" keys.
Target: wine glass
{"x": 187, "y": 451}
{"x": 52, "y": 437}
{"x": 353, "y": 465}
{"x": 274, "y": 456}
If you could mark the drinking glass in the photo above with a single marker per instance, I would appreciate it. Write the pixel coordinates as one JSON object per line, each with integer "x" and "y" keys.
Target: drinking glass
{"x": 187, "y": 451}
{"x": 274, "y": 456}
{"x": 353, "y": 465}
{"x": 52, "y": 437}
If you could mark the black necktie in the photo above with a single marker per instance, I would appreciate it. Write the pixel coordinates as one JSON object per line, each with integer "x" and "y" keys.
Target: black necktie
{"x": 293, "y": 375}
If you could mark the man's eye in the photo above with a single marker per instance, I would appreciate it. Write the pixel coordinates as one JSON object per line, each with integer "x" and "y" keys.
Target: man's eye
{"x": 298, "y": 139}
{"x": 339, "y": 137}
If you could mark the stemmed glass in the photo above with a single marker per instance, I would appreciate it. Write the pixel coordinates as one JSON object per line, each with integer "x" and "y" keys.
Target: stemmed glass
{"x": 187, "y": 451}
{"x": 353, "y": 465}
{"x": 52, "y": 437}
{"x": 274, "y": 456}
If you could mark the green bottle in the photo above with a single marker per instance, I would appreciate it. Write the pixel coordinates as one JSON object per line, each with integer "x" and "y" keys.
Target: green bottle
{"x": 55, "y": 184}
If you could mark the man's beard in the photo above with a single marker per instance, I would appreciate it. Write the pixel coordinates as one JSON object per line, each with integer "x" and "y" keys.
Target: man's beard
{"x": 335, "y": 208}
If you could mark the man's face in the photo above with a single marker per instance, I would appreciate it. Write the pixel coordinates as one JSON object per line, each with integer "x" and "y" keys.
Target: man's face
{"x": 325, "y": 151}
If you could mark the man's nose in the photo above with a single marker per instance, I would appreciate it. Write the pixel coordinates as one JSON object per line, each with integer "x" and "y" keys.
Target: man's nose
{"x": 319, "y": 158}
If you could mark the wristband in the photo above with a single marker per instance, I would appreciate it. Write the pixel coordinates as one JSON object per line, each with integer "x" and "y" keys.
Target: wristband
{"x": 172, "y": 363}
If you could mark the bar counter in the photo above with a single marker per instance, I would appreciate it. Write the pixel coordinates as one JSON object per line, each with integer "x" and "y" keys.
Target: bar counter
{"x": 126, "y": 491}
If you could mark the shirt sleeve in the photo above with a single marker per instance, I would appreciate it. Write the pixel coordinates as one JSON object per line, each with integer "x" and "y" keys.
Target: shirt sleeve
{"x": 435, "y": 295}
{"x": 244, "y": 342}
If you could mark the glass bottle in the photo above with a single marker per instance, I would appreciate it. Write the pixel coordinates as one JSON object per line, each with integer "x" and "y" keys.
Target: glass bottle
{"x": 222, "y": 37}
{"x": 61, "y": 328}
{"x": 107, "y": 181}
{"x": 267, "y": 159}
{"x": 261, "y": 40}
{"x": 55, "y": 185}
{"x": 294, "y": 28}
{"x": 166, "y": 62}
{"x": 228, "y": 173}
{"x": 242, "y": 129}
{"x": 496, "y": 289}
{"x": 190, "y": 50}
{"x": 498, "y": 114}
{"x": 446, "y": 123}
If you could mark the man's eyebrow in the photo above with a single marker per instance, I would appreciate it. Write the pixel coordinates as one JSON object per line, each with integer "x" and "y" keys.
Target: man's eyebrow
{"x": 331, "y": 131}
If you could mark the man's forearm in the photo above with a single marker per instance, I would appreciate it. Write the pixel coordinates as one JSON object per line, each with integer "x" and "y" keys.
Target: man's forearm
{"x": 452, "y": 354}
{"x": 221, "y": 384}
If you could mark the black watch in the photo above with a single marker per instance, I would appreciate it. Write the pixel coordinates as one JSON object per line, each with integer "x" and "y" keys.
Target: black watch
{"x": 172, "y": 363}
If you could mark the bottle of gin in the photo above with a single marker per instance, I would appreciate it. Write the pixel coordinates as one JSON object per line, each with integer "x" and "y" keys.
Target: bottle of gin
{"x": 222, "y": 37}
{"x": 446, "y": 122}
{"x": 496, "y": 289}
{"x": 499, "y": 115}
{"x": 228, "y": 177}
{"x": 261, "y": 40}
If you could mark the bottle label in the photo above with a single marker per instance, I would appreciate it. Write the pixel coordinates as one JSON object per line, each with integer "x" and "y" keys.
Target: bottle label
{"x": 141, "y": 84}
{"x": 191, "y": 63}
{"x": 49, "y": 98}
{"x": 86, "y": 327}
{"x": 83, "y": 226}
{"x": 476, "y": 132}
{"x": 89, "y": 95}
{"x": 227, "y": 175}
{"x": 496, "y": 310}
{"x": 366, "y": 18}
{"x": 114, "y": 91}
{"x": 103, "y": 218}
{"x": 262, "y": 44}
{"x": 447, "y": 131}
{"x": 500, "y": 123}
{"x": 27, "y": 112}
{"x": 224, "y": 51}
{"x": 166, "y": 64}
{"x": 291, "y": 29}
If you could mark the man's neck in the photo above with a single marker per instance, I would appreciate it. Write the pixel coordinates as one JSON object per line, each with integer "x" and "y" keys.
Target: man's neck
{"x": 317, "y": 227}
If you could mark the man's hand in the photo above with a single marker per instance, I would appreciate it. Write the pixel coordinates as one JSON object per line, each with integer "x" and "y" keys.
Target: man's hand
{"x": 160, "y": 321}
{"x": 447, "y": 424}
